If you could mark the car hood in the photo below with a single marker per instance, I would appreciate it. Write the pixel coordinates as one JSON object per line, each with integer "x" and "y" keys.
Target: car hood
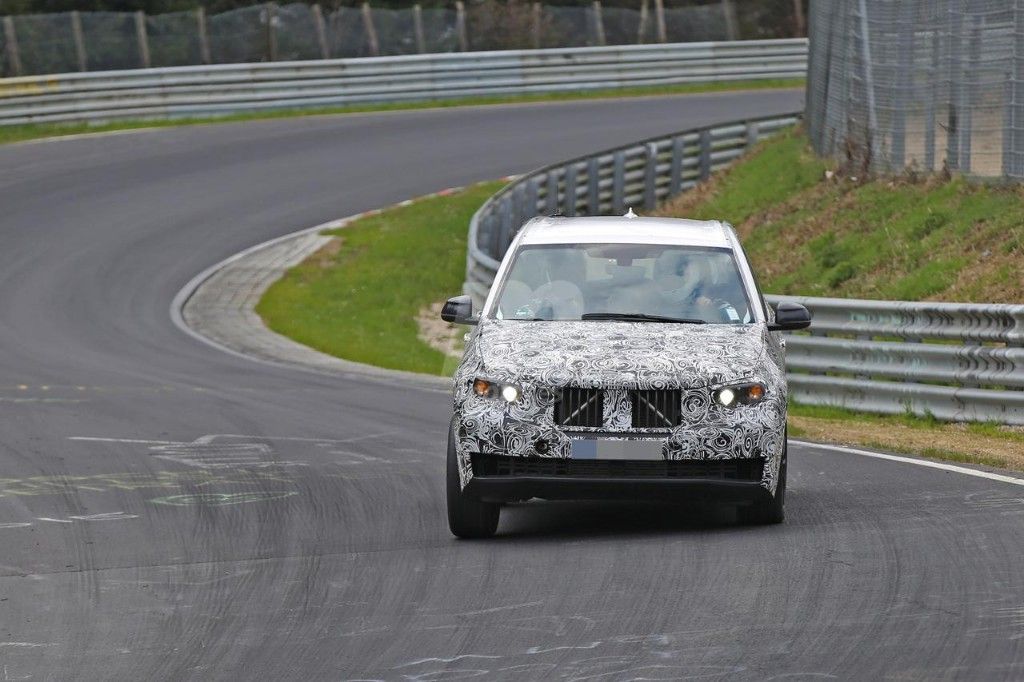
{"x": 620, "y": 354}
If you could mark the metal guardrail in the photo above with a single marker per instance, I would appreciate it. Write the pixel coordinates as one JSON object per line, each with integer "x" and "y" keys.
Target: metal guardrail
{"x": 955, "y": 361}
{"x": 639, "y": 175}
{"x": 189, "y": 91}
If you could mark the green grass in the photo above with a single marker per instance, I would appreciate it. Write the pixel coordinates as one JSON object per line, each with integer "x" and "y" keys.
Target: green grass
{"x": 32, "y": 131}
{"x": 360, "y": 303}
{"x": 908, "y": 238}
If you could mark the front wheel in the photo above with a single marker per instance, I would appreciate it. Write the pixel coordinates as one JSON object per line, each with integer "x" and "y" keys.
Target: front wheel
{"x": 774, "y": 510}
{"x": 467, "y": 517}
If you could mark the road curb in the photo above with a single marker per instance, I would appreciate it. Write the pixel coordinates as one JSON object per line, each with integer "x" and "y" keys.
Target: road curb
{"x": 217, "y": 306}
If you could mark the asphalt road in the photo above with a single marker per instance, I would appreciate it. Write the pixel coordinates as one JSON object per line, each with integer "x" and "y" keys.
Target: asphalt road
{"x": 168, "y": 511}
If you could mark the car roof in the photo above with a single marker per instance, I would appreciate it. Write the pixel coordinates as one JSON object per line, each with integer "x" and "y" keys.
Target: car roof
{"x": 624, "y": 230}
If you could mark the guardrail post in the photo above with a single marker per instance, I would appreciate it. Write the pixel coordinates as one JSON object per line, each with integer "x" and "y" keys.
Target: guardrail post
{"x": 659, "y": 21}
{"x": 494, "y": 236}
{"x": 641, "y": 29}
{"x": 530, "y": 209}
{"x": 142, "y": 38}
{"x": 79, "y": 40}
{"x": 598, "y": 22}
{"x": 11, "y": 46}
{"x": 593, "y": 187}
{"x": 417, "y": 27}
{"x": 619, "y": 182}
{"x": 551, "y": 200}
{"x": 705, "y": 155}
{"x": 270, "y": 13}
{"x": 675, "y": 180}
{"x": 460, "y": 25}
{"x": 371, "y": 31}
{"x": 505, "y": 229}
{"x": 753, "y": 133}
{"x": 204, "y": 38}
{"x": 570, "y": 190}
{"x": 650, "y": 176}
{"x": 729, "y": 12}
{"x": 321, "y": 31}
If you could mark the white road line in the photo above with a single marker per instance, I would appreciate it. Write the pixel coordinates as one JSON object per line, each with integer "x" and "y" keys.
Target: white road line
{"x": 123, "y": 440}
{"x": 1002, "y": 478}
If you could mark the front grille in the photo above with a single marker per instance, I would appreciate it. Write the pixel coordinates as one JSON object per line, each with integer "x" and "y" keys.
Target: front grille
{"x": 713, "y": 469}
{"x": 655, "y": 409}
{"x": 580, "y": 407}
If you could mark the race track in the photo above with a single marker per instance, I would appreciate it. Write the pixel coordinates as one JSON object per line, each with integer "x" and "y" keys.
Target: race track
{"x": 170, "y": 511}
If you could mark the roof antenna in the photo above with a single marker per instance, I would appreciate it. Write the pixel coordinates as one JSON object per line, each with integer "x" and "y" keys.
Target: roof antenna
{"x": 630, "y": 214}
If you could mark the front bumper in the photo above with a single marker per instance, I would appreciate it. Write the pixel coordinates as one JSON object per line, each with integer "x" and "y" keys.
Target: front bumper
{"x": 498, "y": 478}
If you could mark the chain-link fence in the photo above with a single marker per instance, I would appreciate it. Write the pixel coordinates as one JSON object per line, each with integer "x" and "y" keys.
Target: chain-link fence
{"x": 97, "y": 41}
{"x": 926, "y": 84}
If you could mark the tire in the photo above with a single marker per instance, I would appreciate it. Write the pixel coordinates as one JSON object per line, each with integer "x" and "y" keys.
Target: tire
{"x": 772, "y": 511}
{"x": 467, "y": 517}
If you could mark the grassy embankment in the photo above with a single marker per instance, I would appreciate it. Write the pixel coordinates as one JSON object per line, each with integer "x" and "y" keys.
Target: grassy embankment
{"x": 33, "y": 131}
{"x": 805, "y": 233}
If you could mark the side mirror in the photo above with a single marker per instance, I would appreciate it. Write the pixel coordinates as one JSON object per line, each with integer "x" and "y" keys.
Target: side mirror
{"x": 458, "y": 309}
{"x": 789, "y": 316}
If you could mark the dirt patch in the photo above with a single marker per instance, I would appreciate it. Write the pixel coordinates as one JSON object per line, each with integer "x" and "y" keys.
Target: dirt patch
{"x": 945, "y": 440}
{"x": 325, "y": 256}
{"x": 438, "y": 334}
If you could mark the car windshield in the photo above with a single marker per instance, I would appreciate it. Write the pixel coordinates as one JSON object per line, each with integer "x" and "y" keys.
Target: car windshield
{"x": 642, "y": 282}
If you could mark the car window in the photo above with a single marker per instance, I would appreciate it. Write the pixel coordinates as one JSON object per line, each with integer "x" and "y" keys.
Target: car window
{"x": 568, "y": 282}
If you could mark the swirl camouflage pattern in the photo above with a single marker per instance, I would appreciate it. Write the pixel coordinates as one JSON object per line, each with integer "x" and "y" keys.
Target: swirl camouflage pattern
{"x": 543, "y": 358}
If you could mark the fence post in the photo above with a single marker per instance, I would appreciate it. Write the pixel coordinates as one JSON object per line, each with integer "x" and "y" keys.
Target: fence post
{"x": 970, "y": 94}
{"x": 79, "y": 39}
{"x": 619, "y": 182}
{"x": 1008, "y": 126}
{"x": 1016, "y": 101}
{"x": 641, "y": 29}
{"x": 650, "y": 176}
{"x": 460, "y": 25}
{"x": 659, "y": 20}
{"x": 11, "y": 43}
{"x": 143, "y": 39}
{"x": 371, "y": 31}
{"x": 704, "y": 163}
{"x": 675, "y": 180}
{"x": 900, "y": 89}
{"x": 801, "y": 22}
{"x": 270, "y": 12}
{"x": 321, "y": 31}
{"x": 598, "y": 20}
{"x": 204, "y": 38}
{"x": 869, "y": 81}
{"x": 570, "y": 191}
{"x": 731, "y": 28}
{"x": 931, "y": 104}
{"x": 417, "y": 27}
{"x": 535, "y": 16}
{"x": 953, "y": 122}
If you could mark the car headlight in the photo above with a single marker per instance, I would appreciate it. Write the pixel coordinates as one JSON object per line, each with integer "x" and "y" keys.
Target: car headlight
{"x": 748, "y": 393}
{"x": 489, "y": 388}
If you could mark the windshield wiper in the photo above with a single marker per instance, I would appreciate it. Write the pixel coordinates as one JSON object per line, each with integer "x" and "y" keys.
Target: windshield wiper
{"x": 640, "y": 317}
